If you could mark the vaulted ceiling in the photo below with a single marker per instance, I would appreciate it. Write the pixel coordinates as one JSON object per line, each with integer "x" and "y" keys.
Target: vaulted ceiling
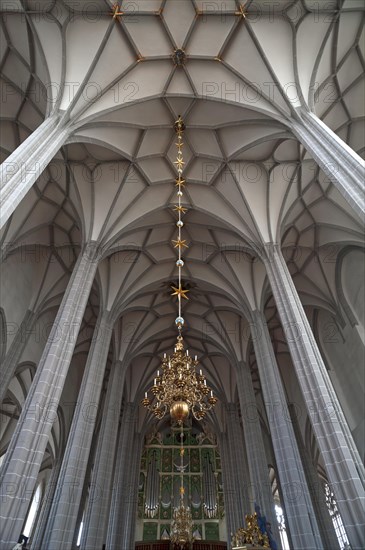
{"x": 249, "y": 181}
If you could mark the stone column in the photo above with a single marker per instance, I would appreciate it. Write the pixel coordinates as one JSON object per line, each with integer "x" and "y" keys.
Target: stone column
{"x": 62, "y": 519}
{"x": 115, "y": 533}
{"x": 239, "y": 467}
{"x": 84, "y": 500}
{"x": 339, "y": 162}
{"x": 24, "y": 166}
{"x": 300, "y": 514}
{"x": 86, "y": 485}
{"x": 228, "y": 486}
{"x": 256, "y": 456}
{"x": 37, "y": 539}
{"x": 131, "y": 494}
{"x": 80, "y": 513}
{"x": 13, "y": 356}
{"x": 96, "y": 517}
{"x": 325, "y": 523}
{"x": 19, "y": 472}
{"x": 340, "y": 456}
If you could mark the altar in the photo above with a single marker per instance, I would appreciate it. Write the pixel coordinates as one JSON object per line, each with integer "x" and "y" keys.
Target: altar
{"x": 255, "y": 536}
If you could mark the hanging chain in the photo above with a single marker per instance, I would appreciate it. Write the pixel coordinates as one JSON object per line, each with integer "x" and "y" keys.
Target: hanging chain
{"x": 180, "y": 243}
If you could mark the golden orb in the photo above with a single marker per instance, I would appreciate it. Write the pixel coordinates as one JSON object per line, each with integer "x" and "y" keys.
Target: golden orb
{"x": 179, "y": 411}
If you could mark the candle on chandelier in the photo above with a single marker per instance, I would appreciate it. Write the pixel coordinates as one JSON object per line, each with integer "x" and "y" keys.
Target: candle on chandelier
{"x": 201, "y": 372}
{"x": 154, "y": 382}
{"x": 205, "y": 382}
{"x": 145, "y": 395}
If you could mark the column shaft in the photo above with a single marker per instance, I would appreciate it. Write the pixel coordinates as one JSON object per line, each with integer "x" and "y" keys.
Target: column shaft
{"x": 325, "y": 523}
{"x": 238, "y": 466}
{"x": 86, "y": 485}
{"x": 26, "y": 449}
{"x": 24, "y": 166}
{"x": 96, "y": 517}
{"x": 256, "y": 456}
{"x": 63, "y": 515}
{"x": 300, "y": 514}
{"x": 50, "y": 494}
{"x": 80, "y": 513}
{"x": 131, "y": 494}
{"x": 115, "y": 532}
{"x": 228, "y": 486}
{"x": 339, "y": 162}
{"x": 15, "y": 352}
{"x": 341, "y": 459}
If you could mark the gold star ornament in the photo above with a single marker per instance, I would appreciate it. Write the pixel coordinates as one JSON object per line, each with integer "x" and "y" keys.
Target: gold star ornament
{"x": 116, "y": 11}
{"x": 180, "y": 209}
{"x": 180, "y": 292}
{"x": 179, "y": 163}
{"x": 180, "y": 182}
{"x": 180, "y": 243}
{"x": 241, "y": 11}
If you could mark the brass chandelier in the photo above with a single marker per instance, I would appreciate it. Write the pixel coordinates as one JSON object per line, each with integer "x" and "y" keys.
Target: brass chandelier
{"x": 182, "y": 521}
{"x": 178, "y": 388}
{"x": 182, "y": 526}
